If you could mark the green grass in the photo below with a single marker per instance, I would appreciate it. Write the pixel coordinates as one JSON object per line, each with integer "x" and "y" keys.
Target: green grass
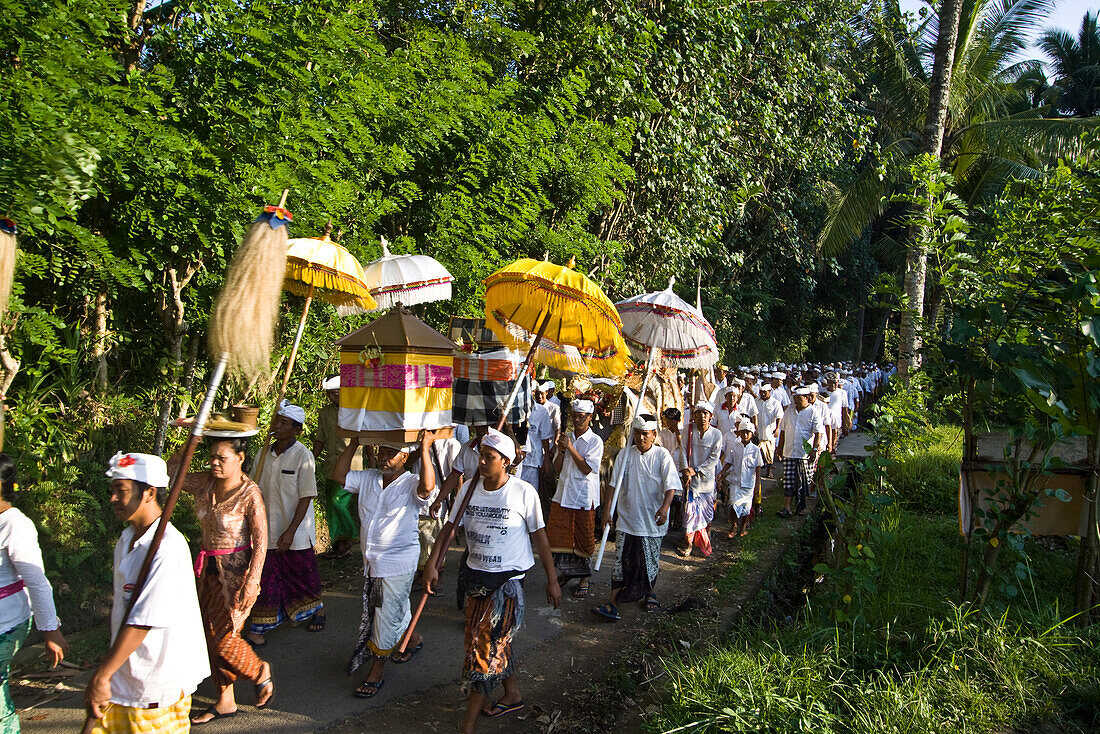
{"x": 927, "y": 481}
{"x": 912, "y": 661}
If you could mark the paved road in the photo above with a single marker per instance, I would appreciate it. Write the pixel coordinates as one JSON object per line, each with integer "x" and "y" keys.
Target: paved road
{"x": 312, "y": 690}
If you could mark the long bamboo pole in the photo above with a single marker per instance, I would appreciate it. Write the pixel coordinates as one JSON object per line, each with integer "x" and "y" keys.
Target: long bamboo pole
{"x": 448, "y": 534}
{"x": 173, "y": 497}
{"x": 622, "y": 475}
{"x": 286, "y": 379}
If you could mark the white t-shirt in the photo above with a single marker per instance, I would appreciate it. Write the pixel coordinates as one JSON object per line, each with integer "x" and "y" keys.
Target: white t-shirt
{"x": 554, "y": 409}
{"x": 780, "y": 393}
{"x": 769, "y": 412}
{"x": 577, "y": 491}
{"x": 744, "y": 460}
{"x": 648, "y": 477}
{"x": 499, "y": 526}
{"x": 540, "y": 428}
{"x": 287, "y": 478}
{"x": 838, "y": 401}
{"x": 171, "y": 661}
{"x": 799, "y": 426}
{"x": 388, "y": 532}
{"x": 21, "y": 558}
{"x": 443, "y": 454}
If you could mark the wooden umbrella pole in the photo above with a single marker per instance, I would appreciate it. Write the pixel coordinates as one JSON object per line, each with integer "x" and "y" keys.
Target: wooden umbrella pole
{"x": 448, "y": 534}
{"x": 173, "y": 497}
{"x": 286, "y": 378}
{"x": 622, "y": 475}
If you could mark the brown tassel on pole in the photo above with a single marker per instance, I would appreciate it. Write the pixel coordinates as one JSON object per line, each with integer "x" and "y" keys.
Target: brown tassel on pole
{"x": 247, "y": 312}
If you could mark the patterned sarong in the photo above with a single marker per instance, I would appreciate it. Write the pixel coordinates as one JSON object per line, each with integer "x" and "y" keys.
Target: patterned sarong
{"x": 10, "y": 642}
{"x": 797, "y": 480}
{"x": 290, "y": 588}
{"x": 572, "y": 536}
{"x": 492, "y": 620}
{"x": 386, "y": 615}
{"x": 174, "y": 719}
{"x": 637, "y": 560}
{"x": 698, "y": 515}
{"x": 230, "y": 656}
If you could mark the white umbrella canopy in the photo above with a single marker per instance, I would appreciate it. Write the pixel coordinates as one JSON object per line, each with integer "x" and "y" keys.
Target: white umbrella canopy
{"x": 406, "y": 279}
{"x": 677, "y": 329}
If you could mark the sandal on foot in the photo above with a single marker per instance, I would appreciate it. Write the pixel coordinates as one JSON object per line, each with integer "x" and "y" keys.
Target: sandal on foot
{"x": 400, "y": 658}
{"x": 500, "y": 709}
{"x": 784, "y": 513}
{"x": 214, "y": 715}
{"x": 651, "y": 603}
{"x": 255, "y": 644}
{"x": 607, "y": 611}
{"x": 262, "y": 686}
{"x": 317, "y": 623}
{"x": 368, "y": 689}
{"x": 581, "y": 592}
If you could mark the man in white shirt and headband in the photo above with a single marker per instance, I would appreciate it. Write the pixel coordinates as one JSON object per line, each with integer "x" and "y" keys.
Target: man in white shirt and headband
{"x": 571, "y": 526}
{"x": 649, "y": 481}
{"x": 705, "y": 447}
{"x": 290, "y": 587}
{"x": 158, "y": 651}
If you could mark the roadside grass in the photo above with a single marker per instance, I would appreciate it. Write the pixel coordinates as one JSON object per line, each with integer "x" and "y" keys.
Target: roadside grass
{"x": 909, "y": 659}
{"x": 927, "y": 481}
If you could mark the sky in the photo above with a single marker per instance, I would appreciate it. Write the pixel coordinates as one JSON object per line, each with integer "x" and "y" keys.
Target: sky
{"x": 1066, "y": 14}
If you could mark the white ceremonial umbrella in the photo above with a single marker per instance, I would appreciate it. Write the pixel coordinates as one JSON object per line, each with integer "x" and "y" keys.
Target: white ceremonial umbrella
{"x": 405, "y": 279}
{"x": 666, "y": 329}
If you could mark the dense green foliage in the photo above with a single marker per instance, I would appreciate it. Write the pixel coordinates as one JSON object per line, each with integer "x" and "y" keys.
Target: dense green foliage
{"x": 906, "y": 658}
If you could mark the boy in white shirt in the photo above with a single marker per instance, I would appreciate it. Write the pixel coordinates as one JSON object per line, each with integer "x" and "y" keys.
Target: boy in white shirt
{"x": 158, "y": 649}
{"x": 743, "y": 461}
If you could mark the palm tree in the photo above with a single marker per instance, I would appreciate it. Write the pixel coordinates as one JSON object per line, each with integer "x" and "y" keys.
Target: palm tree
{"x": 992, "y": 131}
{"x": 1076, "y": 65}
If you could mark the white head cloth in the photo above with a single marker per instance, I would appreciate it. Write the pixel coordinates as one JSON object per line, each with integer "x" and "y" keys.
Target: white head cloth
{"x": 145, "y": 468}
{"x": 641, "y": 424}
{"x": 500, "y": 443}
{"x": 584, "y": 406}
{"x": 746, "y": 426}
{"x": 332, "y": 383}
{"x": 704, "y": 405}
{"x": 548, "y": 385}
{"x": 293, "y": 412}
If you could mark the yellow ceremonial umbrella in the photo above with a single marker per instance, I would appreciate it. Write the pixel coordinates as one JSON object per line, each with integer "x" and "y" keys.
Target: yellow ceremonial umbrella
{"x": 560, "y": 313}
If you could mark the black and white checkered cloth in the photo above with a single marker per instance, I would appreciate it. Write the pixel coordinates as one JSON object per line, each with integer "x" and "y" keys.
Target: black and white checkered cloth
{"x": 476, "y": 400}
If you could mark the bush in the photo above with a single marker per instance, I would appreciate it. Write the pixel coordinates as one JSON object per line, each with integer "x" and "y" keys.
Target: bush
{"x": 927, "y": 481}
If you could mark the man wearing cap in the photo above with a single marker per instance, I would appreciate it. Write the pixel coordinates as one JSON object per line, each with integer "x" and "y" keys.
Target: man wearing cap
{"x": 158, "y": 654}
{"x": 768, "y": 414}
{"x": 542, "y": 397}
{"x": 540, "y": 436}
{"x": 503, "y": 522}
{"x": 801, "y": 425}
{"x": 290, "y": 588}
{"x": 648, "y": 482}
{"x": 743, "y": 461}
{"x": 778, "y": 390}
{"x": 698, "y": 463}
{"x": 390, "y": 498}
{"x": 327, "y": 447}
{"x": 572, "y": 522}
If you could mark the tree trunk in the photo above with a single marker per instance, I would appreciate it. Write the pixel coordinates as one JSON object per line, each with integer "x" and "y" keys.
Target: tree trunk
{"x": 935, "y": 122}
{"x": 99, "y": 339}
{"x": 872, "y": 355}
{"x": 170, "y": 309}
{"x": 859, "y": 330}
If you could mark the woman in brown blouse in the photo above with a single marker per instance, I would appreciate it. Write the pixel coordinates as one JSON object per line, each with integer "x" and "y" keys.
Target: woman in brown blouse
{"x": 230, "y": 511}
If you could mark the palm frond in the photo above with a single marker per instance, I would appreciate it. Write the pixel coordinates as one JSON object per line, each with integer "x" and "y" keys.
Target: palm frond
{"x": 850, "y": 211}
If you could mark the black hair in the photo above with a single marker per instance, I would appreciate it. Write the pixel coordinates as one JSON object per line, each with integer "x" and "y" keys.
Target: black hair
{"x": 238, "y": 445}
{"x": 673, "y": 414}
{"x": 649, "y": 417}
{"x": 7, "y": 478}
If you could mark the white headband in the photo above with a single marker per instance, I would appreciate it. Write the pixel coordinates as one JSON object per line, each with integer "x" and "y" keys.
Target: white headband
{"x": 641, "y": 424}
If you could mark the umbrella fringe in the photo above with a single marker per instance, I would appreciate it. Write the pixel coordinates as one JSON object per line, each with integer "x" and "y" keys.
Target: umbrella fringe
{"x": 410, "y": 294}
{"x": 247, "y": 311}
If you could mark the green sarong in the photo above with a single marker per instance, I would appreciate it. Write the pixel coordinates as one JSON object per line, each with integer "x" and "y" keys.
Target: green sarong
{"x": 341, "y": 523}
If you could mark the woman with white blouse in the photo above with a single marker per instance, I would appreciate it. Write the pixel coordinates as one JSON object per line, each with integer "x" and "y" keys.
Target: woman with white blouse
{"x": 23, "y": 588}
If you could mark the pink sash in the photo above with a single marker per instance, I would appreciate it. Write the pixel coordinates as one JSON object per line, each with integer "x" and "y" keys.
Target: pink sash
{"x": 200, "y": 562}
{"x": 6, "y": 591}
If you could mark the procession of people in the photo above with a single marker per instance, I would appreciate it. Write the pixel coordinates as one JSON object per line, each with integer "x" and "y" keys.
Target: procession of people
{"x": 256, "y": 566}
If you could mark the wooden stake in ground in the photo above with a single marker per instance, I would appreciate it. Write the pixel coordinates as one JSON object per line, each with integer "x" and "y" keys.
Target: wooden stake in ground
{"x": 242, "y": 330}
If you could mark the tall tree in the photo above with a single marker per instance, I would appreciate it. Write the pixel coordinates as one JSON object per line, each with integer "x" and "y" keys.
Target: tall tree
{"x": 1075, "y": 89}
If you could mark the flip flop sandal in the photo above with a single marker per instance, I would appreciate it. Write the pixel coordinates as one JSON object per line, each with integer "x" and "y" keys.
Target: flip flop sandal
{"x": 368, "y": 689}
{"x": 500, "y": 709}
{"x": 651, "y": 603}
{"x": 214, "y": 716}
{"x": 268, "y": 683}
{"x": 408, "y": 654}
{"x": 581, "y": 592}
{"x": 317, "y": 623}
{"x": 607, "y": 611}
{"x": 437, "y": 591}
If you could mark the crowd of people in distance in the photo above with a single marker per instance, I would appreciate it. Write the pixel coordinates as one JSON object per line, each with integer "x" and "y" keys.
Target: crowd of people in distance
{"x": 543, "y": 488}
